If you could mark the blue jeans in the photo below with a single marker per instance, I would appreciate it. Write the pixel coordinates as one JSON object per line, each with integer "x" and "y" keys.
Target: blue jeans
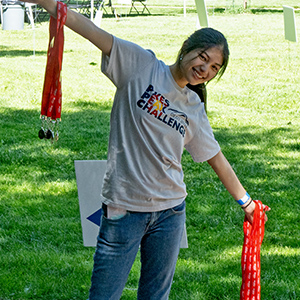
{"x": 158, "y": 236}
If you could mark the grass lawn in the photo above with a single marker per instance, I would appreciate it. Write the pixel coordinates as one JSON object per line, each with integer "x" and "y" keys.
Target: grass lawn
{"x": 253, "y": 109}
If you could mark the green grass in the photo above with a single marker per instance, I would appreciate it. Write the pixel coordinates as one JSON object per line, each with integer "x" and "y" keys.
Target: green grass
{"x": 253, "y": 109}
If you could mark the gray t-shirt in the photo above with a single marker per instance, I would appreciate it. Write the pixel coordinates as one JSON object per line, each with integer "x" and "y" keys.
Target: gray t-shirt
{"x": 152, "y": 120}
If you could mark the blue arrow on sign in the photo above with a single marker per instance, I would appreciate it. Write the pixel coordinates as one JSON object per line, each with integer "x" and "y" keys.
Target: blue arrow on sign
{"x": 96, "y": 217}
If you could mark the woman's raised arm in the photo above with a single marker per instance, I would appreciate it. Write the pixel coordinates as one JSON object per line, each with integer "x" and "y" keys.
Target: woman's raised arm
{"x": 81, "y": 25}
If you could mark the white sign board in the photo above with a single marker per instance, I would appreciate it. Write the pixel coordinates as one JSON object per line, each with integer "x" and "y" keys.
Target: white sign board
{"x": 89, "y": 177}
{"x": 202, "y": 13}
{"x": 289, "y": 24}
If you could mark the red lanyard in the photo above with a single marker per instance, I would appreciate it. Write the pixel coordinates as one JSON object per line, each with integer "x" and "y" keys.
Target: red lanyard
{"x": 253, "y": 237}
{"x": 52, "y": 94}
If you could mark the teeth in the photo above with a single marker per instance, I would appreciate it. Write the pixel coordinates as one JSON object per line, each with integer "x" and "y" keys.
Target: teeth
{"x": 198, "y": 75}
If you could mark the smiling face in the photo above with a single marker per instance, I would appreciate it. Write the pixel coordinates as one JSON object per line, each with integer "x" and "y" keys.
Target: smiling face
{"x": 199, "y": 66}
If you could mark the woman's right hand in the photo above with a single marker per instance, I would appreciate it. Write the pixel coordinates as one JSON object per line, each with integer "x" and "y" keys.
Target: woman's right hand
{"x": 48, "y": 5}
{"x": 39, "y": 2}
{"x": 31, "y": 1}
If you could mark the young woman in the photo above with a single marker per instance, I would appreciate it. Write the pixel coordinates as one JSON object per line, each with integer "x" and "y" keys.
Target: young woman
{"x": 155, "y": 115}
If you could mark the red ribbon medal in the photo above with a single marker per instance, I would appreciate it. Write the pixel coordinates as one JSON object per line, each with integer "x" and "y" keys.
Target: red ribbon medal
{"x": 52, "y": 94}
{"x": 253, "y": 237}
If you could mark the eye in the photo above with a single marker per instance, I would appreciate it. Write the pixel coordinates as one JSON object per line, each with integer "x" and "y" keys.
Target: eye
{"x": 202, "y": 57}
{"x": 215, "y": 69}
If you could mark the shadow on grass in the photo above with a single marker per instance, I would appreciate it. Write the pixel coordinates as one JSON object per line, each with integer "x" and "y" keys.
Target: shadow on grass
{"x": 10, "y": 52}
{"x": 269, "y": 10}
{"x": 221, "y": 280}
{"x": 6, "y": 51}
{"x": 38, "y": 189}
{"x": 263, "y": 159}
{"x": 83, "y": 135}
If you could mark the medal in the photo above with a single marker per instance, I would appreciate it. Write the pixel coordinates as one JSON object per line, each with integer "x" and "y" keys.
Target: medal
{"x": 253, "y": 237}
{"x": 52, "y": 94}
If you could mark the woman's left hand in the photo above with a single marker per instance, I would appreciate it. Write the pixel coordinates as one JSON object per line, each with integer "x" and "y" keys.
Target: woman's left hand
{"x": 249, "y": 212}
